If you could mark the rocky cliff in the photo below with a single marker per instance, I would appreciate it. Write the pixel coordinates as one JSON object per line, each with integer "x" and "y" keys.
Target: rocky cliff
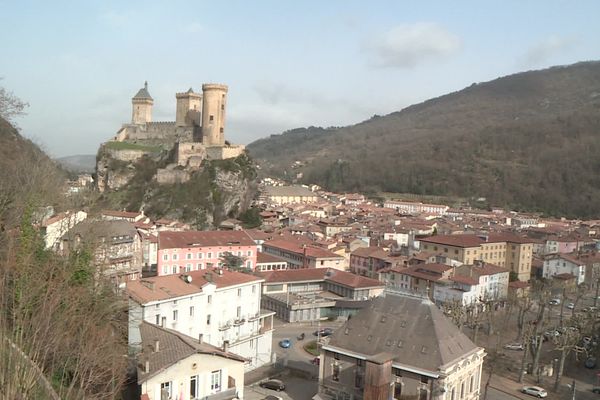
{"x": 148, "y": 178}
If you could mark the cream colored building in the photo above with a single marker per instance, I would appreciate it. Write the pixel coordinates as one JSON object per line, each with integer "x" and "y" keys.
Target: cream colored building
{"x": 505, "y": 250}
{"x": 174, "y": 366}
{"x": 278, "y": 195}
{"x": 400, "y": 347}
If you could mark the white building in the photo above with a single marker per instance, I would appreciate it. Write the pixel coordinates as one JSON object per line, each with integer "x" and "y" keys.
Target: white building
{"x": 219, "y": 306}
{"x": 558, "y": 264}
{"x": 58, "y": 225}
{"x": 409, "y": 207}
{"x": 471, "y": 284}
{"x": 174, "y": 366}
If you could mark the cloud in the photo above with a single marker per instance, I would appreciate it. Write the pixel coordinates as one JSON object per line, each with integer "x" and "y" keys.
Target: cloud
{"x": 544, "y": 50}
{"x": 406, "y": 46}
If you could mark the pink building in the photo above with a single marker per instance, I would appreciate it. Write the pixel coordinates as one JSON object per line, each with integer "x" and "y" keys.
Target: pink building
{"x": 194, "y": 250}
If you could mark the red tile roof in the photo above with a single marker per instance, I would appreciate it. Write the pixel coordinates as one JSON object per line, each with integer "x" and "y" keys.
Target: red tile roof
{"x": 178, "y": 240}
{"x": 170, "y": 286}
{"x": 263, "y": 258}
{"x": 320, "y": 274}
{"x": 310, "y": 251}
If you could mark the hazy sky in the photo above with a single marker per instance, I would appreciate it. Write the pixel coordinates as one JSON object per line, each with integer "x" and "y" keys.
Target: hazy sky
{"x": 287, "y": 63}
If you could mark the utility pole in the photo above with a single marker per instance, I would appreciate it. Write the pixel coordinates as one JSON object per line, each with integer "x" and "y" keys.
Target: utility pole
{"x": 573, "y": 390}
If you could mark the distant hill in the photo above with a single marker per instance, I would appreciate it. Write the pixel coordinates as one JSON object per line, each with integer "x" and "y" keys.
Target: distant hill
{"x": 78, "y": 163}
{"x": 529, "y": 141}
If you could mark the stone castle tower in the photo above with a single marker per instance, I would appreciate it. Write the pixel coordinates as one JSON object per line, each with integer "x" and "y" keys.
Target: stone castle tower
{"x": 142, "y": 104}
{"x": 189, "y": 109}
{"x": 213, "y": 114}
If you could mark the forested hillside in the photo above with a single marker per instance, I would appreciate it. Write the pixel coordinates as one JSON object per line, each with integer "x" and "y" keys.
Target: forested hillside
{"x": 529, "y": 141}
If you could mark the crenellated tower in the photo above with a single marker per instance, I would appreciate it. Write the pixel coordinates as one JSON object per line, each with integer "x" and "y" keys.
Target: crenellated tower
{"x": 214, "y": 100}
{"x": 142, "y": 106}
{"x": 189, "y": 109}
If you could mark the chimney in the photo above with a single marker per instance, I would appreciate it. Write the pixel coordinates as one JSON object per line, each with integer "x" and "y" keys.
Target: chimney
{"x": 147, "y": 366}
{"x": 162, "y": 322}
{"x": 225, "y": 346}
{"x": 156, "y": 345}
{"x": 201, "y": 338}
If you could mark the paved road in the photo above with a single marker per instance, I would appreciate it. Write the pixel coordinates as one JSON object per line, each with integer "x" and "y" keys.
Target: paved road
{"x": 495, "y": 394}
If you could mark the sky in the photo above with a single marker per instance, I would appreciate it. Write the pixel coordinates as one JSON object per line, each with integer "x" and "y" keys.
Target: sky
{"x": 288, "y": 64}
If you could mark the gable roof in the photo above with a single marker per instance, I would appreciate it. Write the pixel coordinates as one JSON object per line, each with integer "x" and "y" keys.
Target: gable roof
{"x": 159, "y": 288}
{"x": 172, "y": 347}
{"x": 411, "y": 329}
{"x": 320, "y": 274}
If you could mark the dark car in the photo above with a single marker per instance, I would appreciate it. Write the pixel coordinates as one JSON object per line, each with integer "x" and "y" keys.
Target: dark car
{"x": 274, "y": 384}
{"x": 590, "y": 362}
{"x": 323, "y": 332}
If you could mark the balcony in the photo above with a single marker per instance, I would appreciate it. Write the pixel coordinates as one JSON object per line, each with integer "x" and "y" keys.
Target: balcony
{"x": 239, "y": 322}
{"x": 225, "y": 326}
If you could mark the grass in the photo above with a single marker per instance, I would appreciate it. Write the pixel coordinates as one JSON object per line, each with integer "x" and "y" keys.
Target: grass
{"x": 312, "y": 348}
{"x": 132, "y": 146}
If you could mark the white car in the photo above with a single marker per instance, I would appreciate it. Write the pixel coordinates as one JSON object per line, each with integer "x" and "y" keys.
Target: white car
{"x": 513, "y": 346}
{"x": 571, "y": 306}
{"x": 534, "y": 391}
{"x": 554, "y": 302}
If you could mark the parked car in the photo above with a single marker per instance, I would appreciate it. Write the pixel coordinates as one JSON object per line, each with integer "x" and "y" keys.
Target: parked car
{"x": 300, "y": 336}
{"x": 534, "y": 391}
{"x": 552, "y": 333}
{"x": 571, "y": 306}
{"x": 274, "y": 384}
{"x": 323, "y": 332}
{"x": 586, "y": 340}
{"x": 285, "y": 343}
{"x": 554, "y": 302}
{"x": 596, "y": 389}
{"x": 513, "y": 346}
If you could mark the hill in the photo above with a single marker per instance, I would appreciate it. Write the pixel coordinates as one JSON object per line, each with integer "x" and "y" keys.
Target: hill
{"x": 529, "y": 141}
{"x": 78, "y": 163}
{"x": 29, "y": 177}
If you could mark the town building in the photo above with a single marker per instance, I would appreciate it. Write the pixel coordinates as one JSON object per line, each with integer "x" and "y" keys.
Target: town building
{"x": 180, "y": 252}
{"x": 397, "y": 348}
{"x": 505, "y": 250}
{"x": 219, "y": 306}
{"x": 370, "y": 261}
{"x": 115, "y": 245}
{"x": 299, "y": 255}
{"x": 55, "y": 227}
{"x": 409, "y": 207}
{"x": 561, "y": 264}
{"x": 312, "y": 294}
{"x": 172, "y": 365}
{"x": 279, "y": 195}
{"x": 267, "y": 262}
{"x": 473, "y": 284}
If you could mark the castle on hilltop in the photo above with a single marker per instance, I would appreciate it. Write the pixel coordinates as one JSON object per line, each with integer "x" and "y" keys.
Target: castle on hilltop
{"x": 198, "y": 130}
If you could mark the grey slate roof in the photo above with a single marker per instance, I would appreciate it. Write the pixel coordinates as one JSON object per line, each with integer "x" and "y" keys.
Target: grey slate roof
{"x": 411, "y": 329}
{"x": 173, "y": 347}
{"x": 143, "y": 93}
{"x": 288, "y": 191}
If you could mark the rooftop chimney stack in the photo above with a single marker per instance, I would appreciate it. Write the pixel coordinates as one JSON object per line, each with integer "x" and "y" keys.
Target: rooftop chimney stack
{"x": 147, "y": 366}
{"x": 225, "y": 346}
{"x": 201, "y": 338}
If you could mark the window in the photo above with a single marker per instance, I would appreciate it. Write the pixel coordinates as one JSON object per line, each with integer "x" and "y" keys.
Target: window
{"x": 188, "y": 267}
{"x": 200, "y": 255}
{"x": 163, "y": 321}
{"x": 221, "y": 129}
{"x": 423, "y": 394}
{"x": 462, "y": 390}
{"x": 249, "y": 264}
{"x": 335, "y": 372}
{"x": 397, "y": 390}
{"x": 208, "y": 319}
{"x": 215, "y": 381}
{"x": 253, "y": 288}
{"x": 191, "y": 311}
{"x": 239, "y": 312}
{"x": 165, "y": 269}
{"x": 174, "y": 269}
{"x": 194, "y": 387}
{"x": 157, "y": 319}
{"x": 174, "y": 257}
{"x": 239, "y": 292}
{"x": 199, "y": 266}
{"x": 209, "y": 255}
{"x": 209, "y": 299}
{"x": 211, "y": 118}
{"x": 188, "y": 256}
{"x": 165, "y": 257}
{"x": 174, "y": 315}
{"x": 471, "y": 381}
{"x": 166, "y": 389}
{"x": 249, "y": 253}
{"x": 453, "y": 394}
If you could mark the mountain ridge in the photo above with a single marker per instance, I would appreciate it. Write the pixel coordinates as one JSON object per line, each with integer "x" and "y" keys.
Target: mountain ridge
{"x": 525, "y": 141}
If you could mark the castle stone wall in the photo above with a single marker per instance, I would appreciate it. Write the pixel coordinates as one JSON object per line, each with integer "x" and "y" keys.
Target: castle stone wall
{"x": 187, "y": 151}
{"x": 224, "y": 152}
{"x": 126, "y": 155}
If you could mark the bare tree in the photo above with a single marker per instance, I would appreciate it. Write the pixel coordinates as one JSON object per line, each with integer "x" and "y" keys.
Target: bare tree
{"x": 10, "y": 105}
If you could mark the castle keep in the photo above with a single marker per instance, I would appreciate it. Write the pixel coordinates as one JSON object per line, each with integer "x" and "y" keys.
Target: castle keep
{"x": 197, "y": 133}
